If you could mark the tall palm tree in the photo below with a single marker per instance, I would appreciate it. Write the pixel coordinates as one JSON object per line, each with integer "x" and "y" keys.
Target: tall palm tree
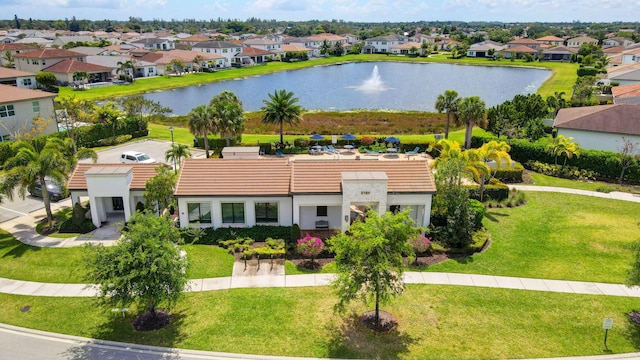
{"x": 491, "y": 151}
{"x": 229, "y": 114}
{"x": 38, "y": 160}
{"x": 556, "y": 101}
{"x": 281, "y": 108}
{"x": 176, "y": 153}
{"x": 201, "y": 123}
{"x": 448, "y": 102}
{"x": 127, "y": 67}
{"x": 562, "y": 145}
{"x": 471, "y": 110}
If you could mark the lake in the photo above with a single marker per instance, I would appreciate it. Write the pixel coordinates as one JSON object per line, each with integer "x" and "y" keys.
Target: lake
{"x": 374, "y": 85}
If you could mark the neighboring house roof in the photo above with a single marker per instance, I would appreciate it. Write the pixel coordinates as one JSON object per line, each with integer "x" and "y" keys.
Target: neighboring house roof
{"x": 624, "y": 72}
{"x": 583, "y": 39}
{"x": 141, "y": 173}
{"x": 196, "y": 38}
{"x": 259, "y": 41}
{"x": 112, "y": 61}
{"x": 326, "y": 36}
{"x": 520, "y": 49}
{"x": 325, "y": 177}
{"x": 626, "y": 90}
{"x": 10, "y": 94}
{"x": 614, "y": 50}
{"x": 150, "y": 41}
{"x": 70, "y": 66}
{"x": 279, "y": 177}
{"x": 7, "y": 73}
{"x": 251, "y": 51}
{"x": 240, "y": 177}
{"x": 408, "y": 46}
{"x": 549, "y": 38}
{"x": 486, "y": 47}
{"x": 216, "y": 45}
{"x": 616, "y": 118}
{"x": 523, "y": 41}
{"x": 88, "y": 50}
{"x": 189, "y": 55}
{"x": 49, "y": 54}
{"x": 561, "y": 49}
{"x": 17, "y": 47}
{"x": 294, "y": 48}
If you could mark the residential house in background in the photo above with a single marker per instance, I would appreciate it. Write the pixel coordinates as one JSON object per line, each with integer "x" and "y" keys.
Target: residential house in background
{"x": 518, "y": 43}
{"x": 624, "y": 74}
{"x": 37, "y": 60}
{"x": 247, "y": 192}
{"x": 576, "y": 42}
{"x": 65, "y": 72}
{"x": 226, "y": 49}
{"x": 617, "y": 41}
{"x": 141, "y": 68}
{"x": 630, "y": 56}
{"x": 382, "y": 44}
{"x": 550, "y": 40}
{"x": 558, "y": 53}
{"x": 408, "y": 48}
{"x": 485, "y": 49}
{"x": 600, "y": 127}
{"x": 626, "y": 94}
{"x": 19, "y": 107}
{"x": 17, "y": 78}
{"x": 155, "y": 44}
{"x": 12, "y": 50}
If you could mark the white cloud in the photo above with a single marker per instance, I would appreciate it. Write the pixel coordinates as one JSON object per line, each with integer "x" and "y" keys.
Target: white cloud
{"x": 279, "y": 5}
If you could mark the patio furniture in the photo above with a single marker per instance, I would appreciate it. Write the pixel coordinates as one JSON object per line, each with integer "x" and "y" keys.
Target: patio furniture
{"x": 348, "y": 147}
{"x": 322, "y": 224}
{"x": 279, "y": 153}
{"x": 415, "y": 151}
{"x": 332, "y": 149}
{"x": 392, "y": 150}
{"x": 372, "y": 153}
{"x": 315, "y": 150}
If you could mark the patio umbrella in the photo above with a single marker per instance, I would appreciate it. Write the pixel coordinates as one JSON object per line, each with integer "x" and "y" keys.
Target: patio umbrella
{"x": 316, "y": 137}
{"x": 392, "y": 139}
{"x": 347, "y": 137}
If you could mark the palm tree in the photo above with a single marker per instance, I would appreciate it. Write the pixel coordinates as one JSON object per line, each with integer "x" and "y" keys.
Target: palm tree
{"x": 176, "y": 153}
{"x": 325, "y": 47}
{"x": 491, "y": 151}
{"x": 8, "y": 58}
{"x": 556, "y": 101}
{"x": 471, "y": 110}
{"x": 562, "y": 145}
{"x": 127, "y": 68}
{"x": 448, "y": 102}
{"x": 229, "y": 114}
{"x": 38, "y": 160}
{"x": 197, "y": 62}
{"x": 281, "y": 108}
{"x": 201, "y": 123}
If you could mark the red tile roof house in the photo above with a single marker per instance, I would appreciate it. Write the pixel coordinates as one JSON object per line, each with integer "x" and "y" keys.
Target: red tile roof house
{"x": 18, "y": 108}
{"x": 320, "y": 194}
{"x": 600, "y": 127}
{"x": 62, "y": 63}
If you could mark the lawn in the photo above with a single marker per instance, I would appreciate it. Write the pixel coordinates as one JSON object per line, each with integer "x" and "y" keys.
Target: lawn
{"x": 436, "y": 322}
{"x": 545, "y": 180}
{"x": 557, "y": 236}
{"x": 562, "y": 79}
{"x": 65, "y": 265}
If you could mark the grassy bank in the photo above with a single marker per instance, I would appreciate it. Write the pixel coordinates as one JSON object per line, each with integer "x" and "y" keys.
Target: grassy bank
{"x": 562, "y": 79}
{"x": 435, "y": 322}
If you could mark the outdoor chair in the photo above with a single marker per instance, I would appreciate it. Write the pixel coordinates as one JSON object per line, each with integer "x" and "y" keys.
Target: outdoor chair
{"x": 415, "y": 151}
{"x": 279, "y": 153}
{"x": 332, "y": 149}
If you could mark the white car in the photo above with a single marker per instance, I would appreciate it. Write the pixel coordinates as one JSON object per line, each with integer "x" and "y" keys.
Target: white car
{"x": 136, "y": 157}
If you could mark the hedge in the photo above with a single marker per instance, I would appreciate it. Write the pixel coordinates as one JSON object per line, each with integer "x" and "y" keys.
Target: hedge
{"x": 93, "y": 135}
{"x": 605, "y": 164}
{"x": 257, "y": 233}
{"x": 496, "y": 191}
{"x": 510, "y": 175}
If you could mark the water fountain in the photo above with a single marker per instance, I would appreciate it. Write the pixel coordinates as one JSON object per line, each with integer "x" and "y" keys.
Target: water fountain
{"x": 373, "y": 83}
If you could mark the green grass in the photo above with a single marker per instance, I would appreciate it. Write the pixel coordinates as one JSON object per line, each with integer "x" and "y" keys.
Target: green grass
{"x": 557, "y": 236}
{"x": 435, "y": 322}
{"x": 63, "y": 213}
{"x": 545, "y": 180}
{"x": 562, "y": 79}
{"x": 291, "y": 269}
{"x": 65, "y": 265}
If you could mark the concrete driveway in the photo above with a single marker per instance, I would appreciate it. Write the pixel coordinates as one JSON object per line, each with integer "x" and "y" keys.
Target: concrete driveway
{"x": 154, "y": 148}
{"x": 11, "y": 209}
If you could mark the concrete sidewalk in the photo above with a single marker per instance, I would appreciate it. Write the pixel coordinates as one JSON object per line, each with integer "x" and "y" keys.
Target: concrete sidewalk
{"x": 29, "y": 288}
{"x": 616, "y": 195}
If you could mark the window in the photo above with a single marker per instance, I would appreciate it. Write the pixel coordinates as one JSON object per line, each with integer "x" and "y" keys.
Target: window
{"x": 225, "y": 50}
{"x": 6, "y": 111}
{"x": 36, "y": 106}
{"x": 43, "y": 62}
{"x": 26, "y": 82}
{"x": 35, "y": 62}
{"x": 199, "y": 212}
{"x": 266, "y": 212}
{"x": 321, "y": 211}
{"x": 394, "y": 208}
{"x": 232, "y": 213}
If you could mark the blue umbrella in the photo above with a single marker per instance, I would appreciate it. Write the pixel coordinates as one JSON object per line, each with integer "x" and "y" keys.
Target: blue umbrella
{"x": 348, "y": 137}
{"x": 316, "y": 137}
{"x": 392, "y": 139}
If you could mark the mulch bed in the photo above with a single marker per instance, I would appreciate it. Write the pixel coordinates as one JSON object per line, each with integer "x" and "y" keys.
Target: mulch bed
{"x": 634, "y": 316}
{"x": 386, "y": 324}
{"x": 147, "y": 322}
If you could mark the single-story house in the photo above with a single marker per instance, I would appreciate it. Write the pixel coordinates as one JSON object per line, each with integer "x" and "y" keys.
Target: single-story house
{"x": 518, "y": 52}
{"x": 20, "y": 106}
{"x": 17, "y": 78}
{"x": 600, "y": 127}
{"x": 407, "y": 48}
{"x": 64, "y": 71}
{"x": 315, "y": 194}
{"x": 111, "y": 188}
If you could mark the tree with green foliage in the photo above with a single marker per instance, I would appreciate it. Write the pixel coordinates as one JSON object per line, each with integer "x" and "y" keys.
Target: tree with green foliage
{"x": 337, "y": 49}
{"x": 521, "y": 117}
{"x": 176, "y": 153}
{"x": 229, "y": 114}
{"x": 37, "y": 160}
{"x": 325, "y": 47}
{"x": 448, "y": 102}
{"x": 471, "y": 111}
{"x": 46, "y": 80}
{"x": 629, "y": 156}
{"x": 583, "y": 91}
{"x": 144, "y": 268}
{"x": 158, "y": 190}
{"x": 127, "y": 68}
{"x": 369, "y": 262}
{"x": 201, "y": 123}
{"x": 280, "y": 109}
{"x": 178, "y": 65}
{"x": 137, "y": 107}
{"x": 8, "y": 59}
{"x": 563, "y": 146}
{"x": 80, "y": 76}
{"x": 556, "y": 102}
{"x": 109, "y": 114}
{"x": 479, "y": 158}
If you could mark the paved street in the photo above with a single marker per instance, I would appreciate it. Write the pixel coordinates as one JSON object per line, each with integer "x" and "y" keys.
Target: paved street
{"x": 154, "y": 148}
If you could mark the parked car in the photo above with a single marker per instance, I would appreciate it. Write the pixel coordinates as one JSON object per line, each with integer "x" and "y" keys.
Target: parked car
{"x": 136, "y": 157}
{"x": 56, "y": 192}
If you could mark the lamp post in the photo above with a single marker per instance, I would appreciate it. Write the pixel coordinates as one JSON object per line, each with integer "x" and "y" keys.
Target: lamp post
{"x": 175, "y": 168}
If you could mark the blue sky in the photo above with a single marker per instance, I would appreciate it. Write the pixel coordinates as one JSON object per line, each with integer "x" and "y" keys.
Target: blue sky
{"x": 348, "y": 10}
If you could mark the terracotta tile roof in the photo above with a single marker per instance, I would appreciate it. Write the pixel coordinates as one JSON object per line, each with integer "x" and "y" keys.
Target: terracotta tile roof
{"x": 70, "y": 66}
{"x": 49, "y": 54}
{"x": 10, "y": 94}
{"x": 549, "y": 38}
{"x": 6, "y": 73}
{"x": 520, "y": 49}
{"x": 560, "y": 49}
{"x": 288, "y": 47}
{"x": 242, "y": 177}
{"x": 616, "y": 118}
{"x": 17, "y": 47}
{"x": 324, "y": 177}
{"x": 614, "y": 50}
{"x": 251, "y": 51}
{"x": 524, "y": 41}
{"x": 196, "y": 38}
{"x": 626, "y": 90}
{"x": 141, "y": 173}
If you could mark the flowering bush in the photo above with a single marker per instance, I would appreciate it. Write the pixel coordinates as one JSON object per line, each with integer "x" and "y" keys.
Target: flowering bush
{"x": 420, "y": 243}
{"x": 310, "y": 246}
{"x": 366, "y": 140}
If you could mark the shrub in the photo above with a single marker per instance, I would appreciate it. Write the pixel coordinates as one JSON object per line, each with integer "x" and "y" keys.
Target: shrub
{"x": 605, "y": 189}
{"x": 310, "y": 246}
{"x": 566, "y": 172}
{"x": 237, "y": 245}
{"x": 258, "y": 233}
{"x": 68, "y": 226}
{"x": 476, "y": 213}
{"x": 510, "y": 175}
{"x": 420, "y": 243}
{"x": 495, "y": 190}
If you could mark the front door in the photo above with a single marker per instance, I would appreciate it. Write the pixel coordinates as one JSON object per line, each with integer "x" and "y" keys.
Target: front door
{"x": 118, "y": 204}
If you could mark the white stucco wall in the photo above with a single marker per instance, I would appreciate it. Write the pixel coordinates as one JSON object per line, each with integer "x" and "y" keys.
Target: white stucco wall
{"x": 304, "y": 210}
{"x": 284, "y": 210}
{"x": 597, "y": 141}
{"x": 22, "y": 121}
